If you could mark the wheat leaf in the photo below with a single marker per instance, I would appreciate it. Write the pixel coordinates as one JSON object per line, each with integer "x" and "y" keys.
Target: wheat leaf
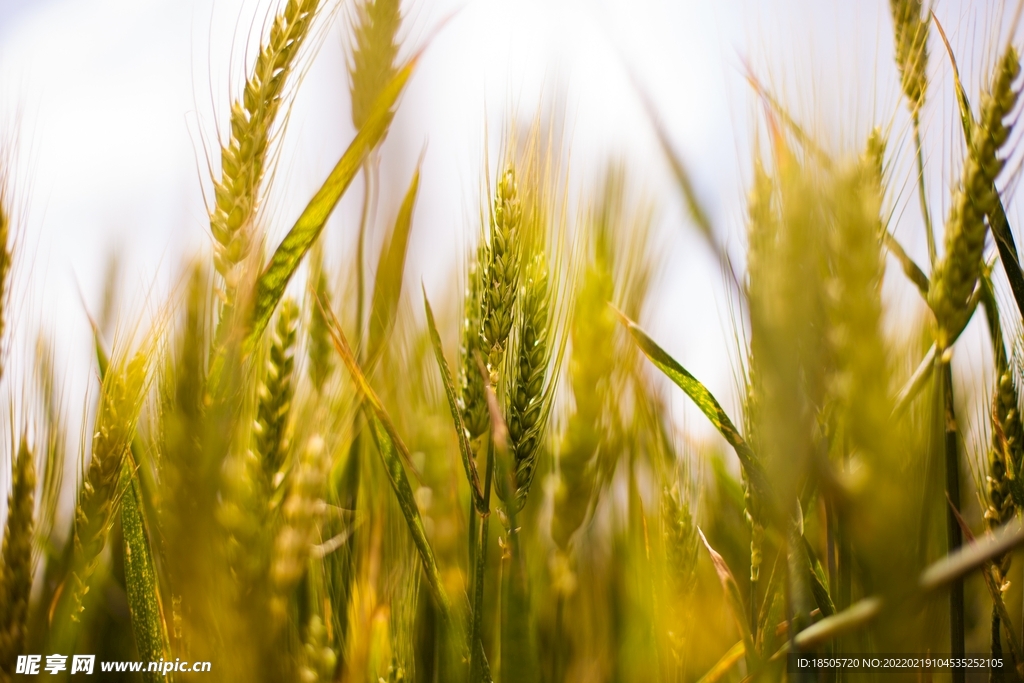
{"x": 465, "y": 448}
{"x": 704, "y": 400}
{"x": 818, "y": 581}
{"x": 910, "y": 269}
{"x": 722, "y": 666}
{"x": 994, "y": 589}
{"x": 141, "y": 578}
{"x": 851, "y": 619}
{"x": 732, "y": 594}
{"x": 307, "y": 228}
{"x": 390, "y": 268}
{"x": 970, "y": 557}
{"x": 392, "y": 451}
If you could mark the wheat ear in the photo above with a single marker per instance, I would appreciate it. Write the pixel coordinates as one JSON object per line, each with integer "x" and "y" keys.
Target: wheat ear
{"x": 529, "y": 400}
{"x": 120, "y": 400}
{"x": 275, "y": 397}
{"x": 956, "y": 272}
{"x": 501, "y": 275}
{"x": 244, "y": 158}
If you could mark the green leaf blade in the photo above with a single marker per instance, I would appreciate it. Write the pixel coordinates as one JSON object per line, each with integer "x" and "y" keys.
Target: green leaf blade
{"x": 140, "y": 575}
{"x": 289, "y": 254}
{"x": 387, "y": 288}
{"x": 465, "y": 448}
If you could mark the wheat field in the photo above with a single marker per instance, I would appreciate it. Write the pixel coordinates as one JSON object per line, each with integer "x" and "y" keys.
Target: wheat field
{"x": 301, "y": 464}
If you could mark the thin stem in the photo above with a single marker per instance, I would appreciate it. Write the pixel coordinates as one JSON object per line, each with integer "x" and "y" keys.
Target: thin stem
{"x": 364, "y": 220}
{"x": 928, "y": 231}
{"x": 844, "y": 575}
{"x": 954, "y": 538}
{"x": 478, "y": 669}
{"x": 753, "y": 609}
{"x": 559, "y": 615}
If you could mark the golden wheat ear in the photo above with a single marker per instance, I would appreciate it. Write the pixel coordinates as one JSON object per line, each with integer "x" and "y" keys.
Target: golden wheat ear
{"x": 244, "y": 157}
{"x": 16, "y": 572}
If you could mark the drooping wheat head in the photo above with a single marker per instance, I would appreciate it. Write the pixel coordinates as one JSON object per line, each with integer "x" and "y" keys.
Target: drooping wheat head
{"x": 956, "y": 273}
{"x": 244, "y": 157}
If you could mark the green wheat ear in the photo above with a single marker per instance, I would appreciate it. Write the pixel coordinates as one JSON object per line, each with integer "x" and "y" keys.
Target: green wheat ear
{"x": 471, "y": 399}
{"x": 501, "y": 274}
{"x": 529, "y": 396}
{"x": 957, "y": 271}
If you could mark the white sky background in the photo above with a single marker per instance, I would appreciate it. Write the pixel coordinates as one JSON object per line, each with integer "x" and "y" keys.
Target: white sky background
{"x": 111, "y": 101}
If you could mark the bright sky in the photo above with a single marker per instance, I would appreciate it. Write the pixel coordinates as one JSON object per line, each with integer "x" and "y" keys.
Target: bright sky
{"x": 115, "y": 101}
